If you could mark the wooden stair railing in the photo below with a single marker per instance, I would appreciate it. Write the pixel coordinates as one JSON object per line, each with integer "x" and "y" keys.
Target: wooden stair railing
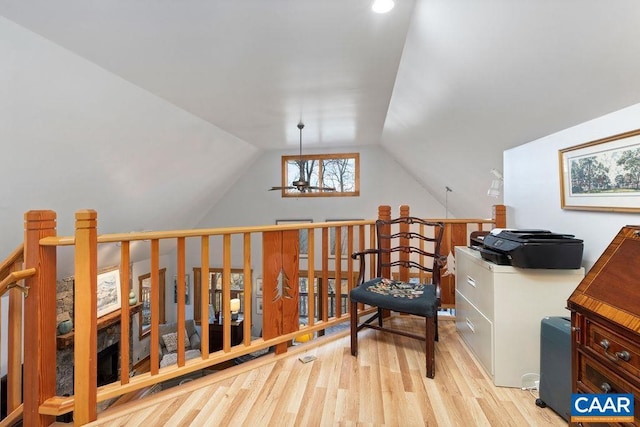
{"x": 39, "y": 275}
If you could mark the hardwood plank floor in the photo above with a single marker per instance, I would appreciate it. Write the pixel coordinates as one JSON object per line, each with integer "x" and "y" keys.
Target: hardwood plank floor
{"x": 384, "y": 386}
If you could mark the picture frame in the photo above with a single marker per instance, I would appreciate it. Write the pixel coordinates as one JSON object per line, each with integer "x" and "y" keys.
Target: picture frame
{"x": 259, "y": 286}
{"x": 303, "y": 235}
{"x": 186, "y": 289}
{"x": 259, "y": 305}
{"x": 109, "y": 296}
{"x": 144, "y": 297}
{"x": 602, "y": 175}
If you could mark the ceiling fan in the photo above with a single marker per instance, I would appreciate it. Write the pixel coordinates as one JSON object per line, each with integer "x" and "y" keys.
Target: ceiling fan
{"x": 301, "y": 184}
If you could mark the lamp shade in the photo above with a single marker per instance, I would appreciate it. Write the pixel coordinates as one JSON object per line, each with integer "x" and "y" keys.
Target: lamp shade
{"x": 234, "y": 305}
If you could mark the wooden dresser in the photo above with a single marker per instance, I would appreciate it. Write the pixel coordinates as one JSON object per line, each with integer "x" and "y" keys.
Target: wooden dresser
{"x": 605, "y": 319}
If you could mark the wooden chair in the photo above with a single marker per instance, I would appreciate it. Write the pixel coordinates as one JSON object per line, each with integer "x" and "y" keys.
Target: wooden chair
{"x": 404, "y": 243}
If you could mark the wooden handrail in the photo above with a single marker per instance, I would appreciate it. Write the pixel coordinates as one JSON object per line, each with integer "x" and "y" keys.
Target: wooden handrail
{"x": 14, "y": 257}
{"x": 174, "y": 234}
{"x": 14, "y": 277}
{"x": 12, "y": 417}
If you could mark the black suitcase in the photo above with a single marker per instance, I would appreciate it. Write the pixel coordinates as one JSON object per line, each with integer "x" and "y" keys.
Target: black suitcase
{"x": 555, "y": 365}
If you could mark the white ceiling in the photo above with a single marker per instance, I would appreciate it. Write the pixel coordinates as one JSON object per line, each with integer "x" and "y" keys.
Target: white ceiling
{"x": 459, "y": 80}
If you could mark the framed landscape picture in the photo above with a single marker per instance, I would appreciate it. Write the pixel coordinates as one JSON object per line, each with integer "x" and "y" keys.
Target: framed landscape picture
{"x": 602, "y": 175}
{"x": 109, "y": 298}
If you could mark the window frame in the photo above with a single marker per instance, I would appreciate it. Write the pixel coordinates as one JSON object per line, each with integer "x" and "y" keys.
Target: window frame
{"x": 320, "y": 158}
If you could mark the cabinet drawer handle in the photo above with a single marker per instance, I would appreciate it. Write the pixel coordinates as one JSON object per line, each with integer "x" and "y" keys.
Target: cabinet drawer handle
{"x": 605, "y": 387}
{"x": 618, "y": 355}
{"x": 623, "y": 355}
{"x": 470, "y": 325}
{"x": 471, "y": 281}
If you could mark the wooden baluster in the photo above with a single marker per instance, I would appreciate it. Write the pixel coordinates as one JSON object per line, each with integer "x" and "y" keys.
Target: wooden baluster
{"x": 181, "y": 294}
{"x": 85, "y": 317}
{"x": 323, "y": 289}
{"x": 337, "y": 284}
{"x": 204, "y": 300}
{"x": 248, "y": 290}
{"x": 311, "y": 277}
{"x": 125, "y": 318}
{"x": 14, "y": 348}
{"x": 226, "y": 292}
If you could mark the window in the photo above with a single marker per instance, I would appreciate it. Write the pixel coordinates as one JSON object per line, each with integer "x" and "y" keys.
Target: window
{"x": 339, "y": 171}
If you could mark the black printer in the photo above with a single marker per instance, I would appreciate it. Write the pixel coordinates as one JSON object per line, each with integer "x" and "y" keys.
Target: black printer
{"x": 532, "y": 249}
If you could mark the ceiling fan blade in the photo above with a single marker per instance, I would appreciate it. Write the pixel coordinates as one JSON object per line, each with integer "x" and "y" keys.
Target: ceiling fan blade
{"x": 282, "y": 188}
{"x": 322, "y": 188}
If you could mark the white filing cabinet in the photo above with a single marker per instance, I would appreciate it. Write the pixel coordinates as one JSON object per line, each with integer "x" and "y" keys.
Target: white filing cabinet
{"x": 499, "y": 309}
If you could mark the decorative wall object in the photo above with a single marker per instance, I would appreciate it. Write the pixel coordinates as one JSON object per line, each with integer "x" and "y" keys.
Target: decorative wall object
{"x": 259, "y": 286}
{"x": 109, "y": 298}
{"x": 602, "y": 175}
{"x": 186, "y": 289}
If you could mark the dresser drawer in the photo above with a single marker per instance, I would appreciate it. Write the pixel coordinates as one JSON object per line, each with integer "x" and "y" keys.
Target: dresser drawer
{"x": 475, "y": 281}
{"x": 596, "y": 378}
{"x": 476, "y": 330}
{"x": 613, "y": 348}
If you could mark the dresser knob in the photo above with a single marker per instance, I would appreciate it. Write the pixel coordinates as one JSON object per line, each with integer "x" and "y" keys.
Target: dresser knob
{"x": 618, "y": 355}
{"x": 623, "y": 355}
{"x": 605, "y": 387}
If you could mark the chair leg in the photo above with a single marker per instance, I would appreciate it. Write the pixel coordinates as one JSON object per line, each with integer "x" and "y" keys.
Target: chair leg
{"x": 354, "y": 328}
{"x": 436, "y": 325}
{"x": 430, "y": 350}
{"x": 380, "y": 313}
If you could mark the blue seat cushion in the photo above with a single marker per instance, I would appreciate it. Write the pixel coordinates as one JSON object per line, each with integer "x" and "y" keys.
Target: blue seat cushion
{"x": 412, "y": 298}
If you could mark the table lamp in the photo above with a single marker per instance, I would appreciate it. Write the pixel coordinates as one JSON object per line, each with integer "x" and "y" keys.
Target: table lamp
{"x": 234, "y": 305}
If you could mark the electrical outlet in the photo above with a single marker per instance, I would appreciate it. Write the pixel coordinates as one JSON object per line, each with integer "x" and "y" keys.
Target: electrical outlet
{"x": 537, "y": 385}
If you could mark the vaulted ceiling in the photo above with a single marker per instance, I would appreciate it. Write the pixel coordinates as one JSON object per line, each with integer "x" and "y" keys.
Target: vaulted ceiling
{"x": 444, "y": 86}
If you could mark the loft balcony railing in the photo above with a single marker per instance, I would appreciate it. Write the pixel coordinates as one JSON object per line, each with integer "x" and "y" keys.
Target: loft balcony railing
{"x": 304, "y": 293}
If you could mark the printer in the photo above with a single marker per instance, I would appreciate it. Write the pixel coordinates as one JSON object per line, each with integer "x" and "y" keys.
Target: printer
{"x": 532, "y": 249}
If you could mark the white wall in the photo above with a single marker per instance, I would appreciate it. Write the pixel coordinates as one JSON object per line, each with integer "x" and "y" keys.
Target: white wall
{"x": 532, "y": 185}
{"x": 75, "y": 136}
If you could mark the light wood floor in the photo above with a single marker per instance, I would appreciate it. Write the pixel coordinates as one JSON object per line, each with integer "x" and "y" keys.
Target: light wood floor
{"x": 384, "y": 386}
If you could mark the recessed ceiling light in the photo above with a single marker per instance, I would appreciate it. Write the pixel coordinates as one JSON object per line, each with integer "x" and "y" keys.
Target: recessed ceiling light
{"x": 382, "y": 6}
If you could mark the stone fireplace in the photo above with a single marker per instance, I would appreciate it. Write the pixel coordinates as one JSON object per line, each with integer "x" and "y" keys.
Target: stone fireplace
{"x": 108, "y": 343}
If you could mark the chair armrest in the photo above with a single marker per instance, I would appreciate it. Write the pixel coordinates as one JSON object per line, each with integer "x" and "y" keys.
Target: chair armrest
{"x": 439, "y": 262}
{"x": 361, "y": 256}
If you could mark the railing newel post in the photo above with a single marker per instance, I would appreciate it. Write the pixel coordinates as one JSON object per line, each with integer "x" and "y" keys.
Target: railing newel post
{"x": 40, "y": 312}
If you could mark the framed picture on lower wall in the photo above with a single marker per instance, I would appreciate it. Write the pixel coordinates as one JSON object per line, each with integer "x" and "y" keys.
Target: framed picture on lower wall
{"x": 109, "y": 298}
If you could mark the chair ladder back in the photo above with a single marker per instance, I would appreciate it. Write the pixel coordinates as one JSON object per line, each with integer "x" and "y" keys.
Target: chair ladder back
{"x": 398, "y": 241}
